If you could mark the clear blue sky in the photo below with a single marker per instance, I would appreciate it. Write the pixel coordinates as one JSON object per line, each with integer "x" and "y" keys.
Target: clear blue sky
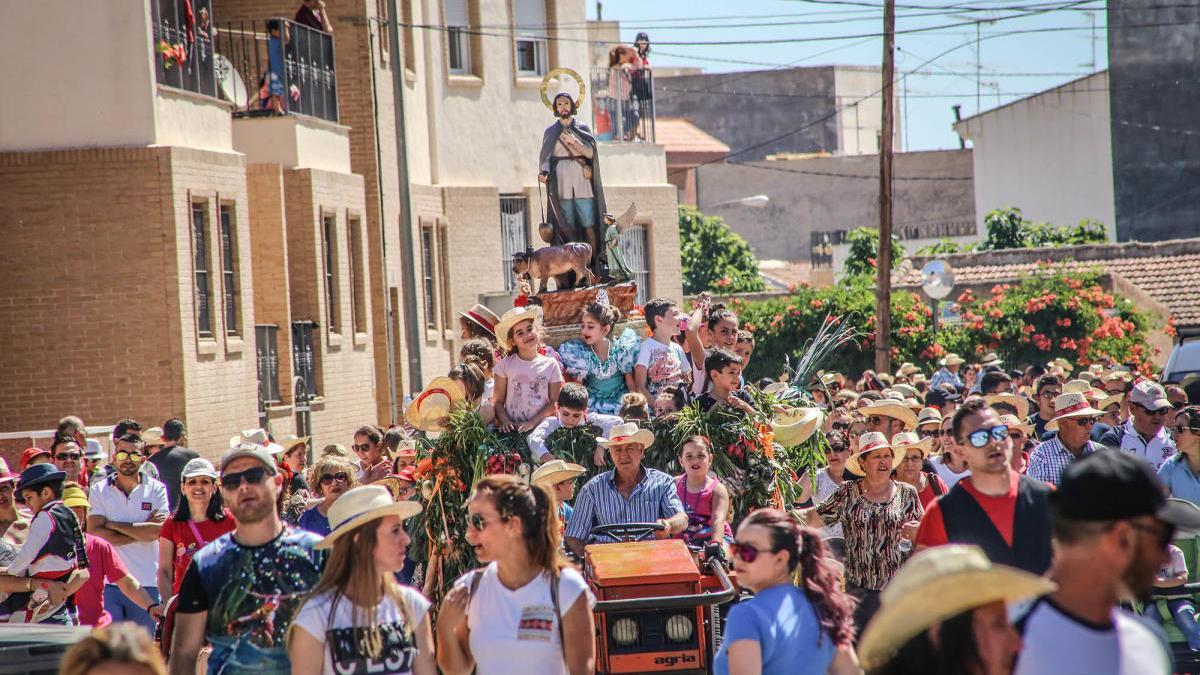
{"x": 1060, "y": 48}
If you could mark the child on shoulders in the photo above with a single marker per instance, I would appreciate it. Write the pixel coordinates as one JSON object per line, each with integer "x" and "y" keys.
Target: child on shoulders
{"x": 660, "y": 361}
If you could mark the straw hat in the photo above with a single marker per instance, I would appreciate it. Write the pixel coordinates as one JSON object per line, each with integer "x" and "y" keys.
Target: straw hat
{"x": 1062, "y": 364}
{"x": 629, "y": 432}
{"x": 291, "y": 441}
{"x": 1012, "y": 422}
{"x": 1084, "y": 387}
{"x": 828, "y": 379}
{"x": 431, "y": 406}
{"x": 251, "y": 436}
{"x": 990, "y": 359}
{"x": 891, "y": 408}
{"x": 929, "y": 416}
{"x": 362, "y": 505}
{"x": 869, "y": 442}
{"x": 796, "y": 425}
{"x": 94, "y": 450}
{"x": 6, "y": 474}
{"x": 153, "y": 436}
{"x": 1115, "y": 399}
{"x": 935, "y": 585}
{"x": 904, "y": 440}
{"x": 1071, "y": 405}
{"x": 513, "y": 317}
{"x": 481, "y": 316}
{"x": 907, "y": 390}
{"x": 951, "y": 359}
{"x": 1019, "y": 403}
{"x": 907, "y": 368}
{"x": 776, "y": 388}
{"x": 554, "y": 472}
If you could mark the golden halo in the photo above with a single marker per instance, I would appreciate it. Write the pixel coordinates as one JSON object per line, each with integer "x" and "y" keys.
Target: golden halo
{"x": 553, "y": 75}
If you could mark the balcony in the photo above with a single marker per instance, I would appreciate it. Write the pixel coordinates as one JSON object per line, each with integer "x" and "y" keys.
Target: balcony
{"x": 622, "y": 105}
{"x": 233, "y": 61}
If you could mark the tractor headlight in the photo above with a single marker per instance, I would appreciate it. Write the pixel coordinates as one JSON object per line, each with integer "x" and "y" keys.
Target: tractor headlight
{"x": 625, "y": 631}
{"x": 679, "y": 628}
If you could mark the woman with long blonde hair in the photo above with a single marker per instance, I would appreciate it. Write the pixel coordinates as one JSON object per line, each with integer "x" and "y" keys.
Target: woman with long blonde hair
{"x": 358, "y": 615}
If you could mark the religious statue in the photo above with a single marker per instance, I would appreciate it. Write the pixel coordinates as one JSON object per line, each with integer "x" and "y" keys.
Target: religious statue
{"x": 569, "y": 166}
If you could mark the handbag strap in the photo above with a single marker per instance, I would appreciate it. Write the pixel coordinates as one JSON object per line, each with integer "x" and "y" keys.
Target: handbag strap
{"x": 200, "y": 540}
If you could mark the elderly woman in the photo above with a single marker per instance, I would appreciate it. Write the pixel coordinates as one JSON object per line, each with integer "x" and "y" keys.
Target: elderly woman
{"x": 879, "y": 518}
{"x": 1181, "y": 473}
{"x": 332, "y": 476}
{"x": 914, "y": 451}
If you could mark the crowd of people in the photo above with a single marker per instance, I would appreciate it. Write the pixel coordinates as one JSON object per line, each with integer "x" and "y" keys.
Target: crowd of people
{"x": 944, "y": 501}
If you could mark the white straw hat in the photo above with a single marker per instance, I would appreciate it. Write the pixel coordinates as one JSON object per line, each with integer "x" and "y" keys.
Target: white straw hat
{"x": 556, "y": 471}
{"x": 869, "y": 442}
{"x": 362, "y": 505}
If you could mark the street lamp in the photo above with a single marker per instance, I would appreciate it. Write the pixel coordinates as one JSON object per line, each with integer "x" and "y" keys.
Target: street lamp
{"x": 753, "y": 201}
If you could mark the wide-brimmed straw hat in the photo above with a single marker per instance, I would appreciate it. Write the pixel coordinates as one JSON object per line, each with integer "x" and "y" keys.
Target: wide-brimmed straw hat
{"x": 907, "y": 368}
{"x": 891, "y": 408}
{"x": 481, "y": 316}
{"x": 869, "y": 442}
{"x": 904, "y": 440}
{"x": 1061, "y": 364}
{"x": 251, "y": 436}
{"x": 1071, "y": 405}
{"x": 935, "y": 585}
{"x": 990, "y": 359}
{"x": 929, "y": 416}
{"x": 951, "y": 359}
{"x": 153, "y": 436}
{"x": 1084, "y": 387}
{"x": 1012, "y": 422}
{"x": 556, "y": 471}
{"x": 1015, "y": 401}
{"x": 1115, "y": 399}
{"x": 362, "y": 505}
{"x": 796, "y": 425}
{"x": 513, "y": 317}
{"x": 430, "y": 407}
{"x": 629, "y": 432}
{"x": 291, "y": 441}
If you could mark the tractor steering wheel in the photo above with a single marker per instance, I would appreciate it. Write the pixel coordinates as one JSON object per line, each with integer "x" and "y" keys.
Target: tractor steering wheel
{"x": 625, "y": 532}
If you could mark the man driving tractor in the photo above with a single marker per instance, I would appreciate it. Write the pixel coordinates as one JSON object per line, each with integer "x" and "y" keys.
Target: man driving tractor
{"x": 629, "y": 493}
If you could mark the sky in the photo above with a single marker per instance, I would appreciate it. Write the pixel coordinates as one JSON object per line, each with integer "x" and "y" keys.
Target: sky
{"x": 1025, "y": 46}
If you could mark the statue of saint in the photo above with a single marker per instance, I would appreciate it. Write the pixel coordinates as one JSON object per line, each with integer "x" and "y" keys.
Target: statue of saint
{"x": 569, "y": 166}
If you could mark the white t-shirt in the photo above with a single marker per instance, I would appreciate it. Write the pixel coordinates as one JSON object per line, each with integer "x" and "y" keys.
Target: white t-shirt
{"x": 948, "y": 477}
{"x": 1176, "y": 563}
{"x": 147, "y": 499}
{"x": 663, "y": 363}
{"x": 1059, "y": 644}
{"x": 337, "y": 633}
{"x": 510, "y": 627}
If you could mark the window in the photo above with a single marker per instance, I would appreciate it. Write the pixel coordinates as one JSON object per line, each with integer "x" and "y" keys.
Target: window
{"x": 266, "y": 348}
{"x": 304, "y": 363}
{"x": 443, "y": 257}
{"x": 358, "y": 287}
{"x": 531, "y": 44}
{"x": 410, "y": 49}
{"x": 329, "y": 237}
{"x": 514, "y": 234}
{"x": 458, "y": 37}
{"x": 634, "y": 244}
{"x": 382, "y": 36}
{"x": 427, "y": 281}
{"x": 229, "y": 277}
{"x": 202, "y": 273}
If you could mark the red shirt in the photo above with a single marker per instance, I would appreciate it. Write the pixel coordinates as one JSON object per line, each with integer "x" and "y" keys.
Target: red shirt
{"x": 180, "y": 534}
{"x": 999, "y": 510}
{"x": 104, "y": 566}
{"x": 927, "y": 496}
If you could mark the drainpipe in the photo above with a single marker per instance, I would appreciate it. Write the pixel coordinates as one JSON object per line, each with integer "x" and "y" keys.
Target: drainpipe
{"x": 412, "y": 327}
{"x": 962, "y": 143}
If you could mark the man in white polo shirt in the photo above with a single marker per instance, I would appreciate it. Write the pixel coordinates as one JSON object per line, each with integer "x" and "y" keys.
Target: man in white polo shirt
{"x": 1145, "y": 435}
{"x": 127, "y": 509}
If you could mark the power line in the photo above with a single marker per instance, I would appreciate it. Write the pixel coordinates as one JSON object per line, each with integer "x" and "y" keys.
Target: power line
{"x": 834, "y": 174}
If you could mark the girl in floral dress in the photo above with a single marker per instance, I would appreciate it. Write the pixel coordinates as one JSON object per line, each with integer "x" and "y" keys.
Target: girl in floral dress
{"x": 603, "y": 364}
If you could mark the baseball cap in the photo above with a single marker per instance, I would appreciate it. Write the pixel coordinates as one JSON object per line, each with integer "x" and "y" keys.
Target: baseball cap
{"x": 198, "y": 466}
{"x": 1150, "y": 395}
{"x": 258, "y": 452}
{"x": 939, "y": 396}
{"x": 1113, "y": 485}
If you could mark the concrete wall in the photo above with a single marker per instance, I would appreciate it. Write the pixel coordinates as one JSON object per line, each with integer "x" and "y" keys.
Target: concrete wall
{"x": 834, "y": 193}
{"x": 1153, "y": 49}
{"x": 746, "y": 109}
{"x": 84, "y": 74}
{"x": 293, "y": 142}
{"x": 192, "y": 121}
{"x": 1048, "y": 155}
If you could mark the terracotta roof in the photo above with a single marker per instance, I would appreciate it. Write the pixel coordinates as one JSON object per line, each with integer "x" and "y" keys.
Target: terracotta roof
{"x": 1167, "y": 272}
{"x": 686, "y": 143}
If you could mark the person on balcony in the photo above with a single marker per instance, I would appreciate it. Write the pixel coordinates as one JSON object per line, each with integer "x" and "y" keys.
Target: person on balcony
{"x": 643, "y": 90}
{"x": 312, "y": 14}
{"x": 623, "y": 63}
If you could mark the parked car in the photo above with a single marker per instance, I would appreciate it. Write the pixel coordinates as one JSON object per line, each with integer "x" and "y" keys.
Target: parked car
{"x": 1183, "y": 366}
{"x": 36, "y": 649}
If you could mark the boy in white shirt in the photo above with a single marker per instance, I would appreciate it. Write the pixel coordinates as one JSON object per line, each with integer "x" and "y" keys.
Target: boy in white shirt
{"x": 660, "y": 360}
{"x": 571, "y": 411}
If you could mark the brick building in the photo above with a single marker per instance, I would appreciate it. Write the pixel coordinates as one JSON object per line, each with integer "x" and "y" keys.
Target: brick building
{"x": 169, "y": 251}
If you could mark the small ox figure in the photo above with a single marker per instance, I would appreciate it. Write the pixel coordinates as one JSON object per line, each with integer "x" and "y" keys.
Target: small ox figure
{"x": 553, "y": 261}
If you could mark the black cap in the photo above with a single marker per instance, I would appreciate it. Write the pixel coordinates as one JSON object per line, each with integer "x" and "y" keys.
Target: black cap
{"x": 940, "y": 394}
{"x": 1113, "y": 485}
{"x": 38, "y": 475}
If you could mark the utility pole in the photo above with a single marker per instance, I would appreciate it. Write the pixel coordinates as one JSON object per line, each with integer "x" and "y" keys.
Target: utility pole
{"x": 883, "y": 277}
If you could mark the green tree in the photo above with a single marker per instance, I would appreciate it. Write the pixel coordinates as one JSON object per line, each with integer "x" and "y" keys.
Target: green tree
{"x": 714, "y": 257}
{"x": 864, "y": 247}
{"x": 944, "y": 247}
{"x": 1007, "y": 228}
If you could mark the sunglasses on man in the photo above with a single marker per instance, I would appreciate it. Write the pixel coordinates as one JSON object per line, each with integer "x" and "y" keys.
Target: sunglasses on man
{"x": 128, "y": 456}
{"x": 232, "y": 481}
{"x": 981, "y": 437}
{"x": 1147, "y": 411}
{"x": 68, "y": 456}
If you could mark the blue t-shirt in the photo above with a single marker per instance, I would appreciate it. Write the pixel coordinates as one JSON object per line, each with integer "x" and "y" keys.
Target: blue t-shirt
{"x": 785, "y": 626}
{"x": 1177, "y": 476}
{"x": 314, "y": 521}
{"x": 251, "y": 595}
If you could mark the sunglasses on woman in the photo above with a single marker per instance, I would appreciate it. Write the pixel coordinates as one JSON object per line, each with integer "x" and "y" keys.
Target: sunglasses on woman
{"x": 478, "y": 522}
{"x": 232, "y": 481}
{"x": 746, "y": 552}
{"x": 981, "y": 437}
{"x": 329, "y": 478}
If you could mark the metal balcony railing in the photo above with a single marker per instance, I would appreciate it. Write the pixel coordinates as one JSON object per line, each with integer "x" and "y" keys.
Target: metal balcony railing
{"x": 277, "y": 67}
{"x": 623, "y": 104}
{"x": 183, "y": 45}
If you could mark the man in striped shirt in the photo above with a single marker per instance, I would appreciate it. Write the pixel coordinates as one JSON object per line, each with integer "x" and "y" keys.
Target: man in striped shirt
{"x": 1073, "y": 420}
{"x": 629, "y": 493}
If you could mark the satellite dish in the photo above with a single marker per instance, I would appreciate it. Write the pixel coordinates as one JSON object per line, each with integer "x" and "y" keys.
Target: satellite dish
{"x": 937, "y": 279}
{"x": 232, "y": 87}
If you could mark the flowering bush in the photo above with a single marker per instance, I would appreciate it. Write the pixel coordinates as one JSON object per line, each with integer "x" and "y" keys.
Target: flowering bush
{"x": 1047, "y": 315}
{"x": 713, "y": 256}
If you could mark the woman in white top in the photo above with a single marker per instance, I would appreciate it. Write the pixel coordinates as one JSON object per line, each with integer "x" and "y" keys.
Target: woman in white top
{"x": 359, "y": 619}
{"x": 832, "y": 476}
{"x": 528, "y": 606}
{"x": 951, "y": 466}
